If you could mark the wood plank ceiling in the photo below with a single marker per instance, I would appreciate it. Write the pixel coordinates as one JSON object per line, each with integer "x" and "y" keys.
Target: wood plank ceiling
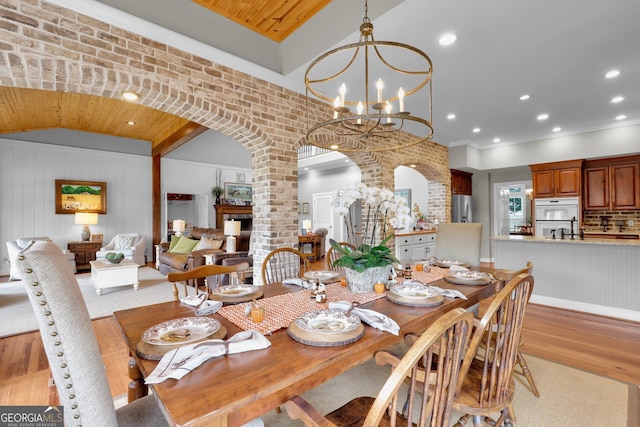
{"x": 23, "y": 110}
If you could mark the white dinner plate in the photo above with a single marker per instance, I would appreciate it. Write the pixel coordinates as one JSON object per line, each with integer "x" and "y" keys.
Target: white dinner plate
{"x": 413, "y": 290}
{"x": 327, "y": 322}
{"x": 181, "y": 331}
{"x": 449, "y": 262}
{"x": 469, "y": 275}
{"x": 234, "y": 291}
{"x": 322, "y": 275}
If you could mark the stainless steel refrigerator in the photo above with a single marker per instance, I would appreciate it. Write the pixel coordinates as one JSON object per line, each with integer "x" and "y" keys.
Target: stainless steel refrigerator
{"x": 461, "y": 207}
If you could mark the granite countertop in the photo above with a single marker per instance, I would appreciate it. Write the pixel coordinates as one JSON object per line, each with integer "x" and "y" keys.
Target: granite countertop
{"x": 567, "y": 240}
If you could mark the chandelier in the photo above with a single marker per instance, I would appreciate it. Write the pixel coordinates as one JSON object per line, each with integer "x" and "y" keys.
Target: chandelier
{"x": 363, "y": 117}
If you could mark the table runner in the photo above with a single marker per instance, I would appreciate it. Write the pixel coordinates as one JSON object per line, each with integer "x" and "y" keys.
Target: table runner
{"x": 281, "y": 310}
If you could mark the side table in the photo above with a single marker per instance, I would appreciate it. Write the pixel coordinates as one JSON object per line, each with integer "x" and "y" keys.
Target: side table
{"x": 316, "y": 246}
{"x": 85, "y": 253}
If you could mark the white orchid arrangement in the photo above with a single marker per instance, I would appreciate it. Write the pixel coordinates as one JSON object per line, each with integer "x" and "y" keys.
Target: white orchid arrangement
{"x": 381, "y": 206}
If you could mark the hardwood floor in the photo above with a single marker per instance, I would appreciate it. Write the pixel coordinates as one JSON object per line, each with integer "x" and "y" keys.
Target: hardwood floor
{"x": 601, "y": 345}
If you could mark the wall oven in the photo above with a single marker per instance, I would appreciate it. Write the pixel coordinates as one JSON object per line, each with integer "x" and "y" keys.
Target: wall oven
{"x": 556, "y": 213}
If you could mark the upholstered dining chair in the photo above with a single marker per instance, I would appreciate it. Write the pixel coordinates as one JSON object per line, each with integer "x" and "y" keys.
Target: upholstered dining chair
{"x": 71, "y": 345}
{"x": 450, "y": 332}
{"x": 460, "y": 241}
{"x": 332, "y": 255}
{"x": 284, "y": 263}
{"x": 486, "y": 384}
{"x": 211, "y": 272}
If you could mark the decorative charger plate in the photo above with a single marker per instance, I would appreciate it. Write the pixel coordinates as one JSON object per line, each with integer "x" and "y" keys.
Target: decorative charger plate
{"x": 322, "y": 275}
{"x": 469, "y": 275}
{"x": 446, "y": 263}
{"x": 327, "y": 322}
{"x": 181, "y": 331}
{"x": 234, "y": 291}
{"x": 413, "y": 290}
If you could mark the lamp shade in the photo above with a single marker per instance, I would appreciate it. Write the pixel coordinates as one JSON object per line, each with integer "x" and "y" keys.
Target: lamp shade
{"x": 86, "y": 218}
{"x": 306, "y": 224}
{"x": 178, "y": 225}
{"x": 232, "y": 228}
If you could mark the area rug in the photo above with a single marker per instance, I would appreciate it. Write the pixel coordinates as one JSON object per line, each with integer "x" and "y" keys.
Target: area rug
{"x": 569, "y": 397}
{"x": 17, "y": 314}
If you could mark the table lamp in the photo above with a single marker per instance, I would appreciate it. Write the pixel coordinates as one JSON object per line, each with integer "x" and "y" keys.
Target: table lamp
{"x": 231, "y": 229}
{"x": 306, "y": 225}
{"x": 178, "y": 226}
{"x": 86, "y": 219}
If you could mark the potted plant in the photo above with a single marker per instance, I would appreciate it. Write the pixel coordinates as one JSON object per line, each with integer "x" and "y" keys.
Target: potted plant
{"x": 217, "y": 189}
{"x": 365, "y": 265}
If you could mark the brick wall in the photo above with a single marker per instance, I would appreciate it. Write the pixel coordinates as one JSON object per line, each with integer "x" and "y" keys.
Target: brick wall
{"x": 43, "y": 46}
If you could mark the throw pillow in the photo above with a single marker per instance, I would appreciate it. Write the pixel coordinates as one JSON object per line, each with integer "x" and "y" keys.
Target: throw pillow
{"x": 207, "y": 243}
{"x": 184, "y": 245}
{"x": 124, "y": 242}
{"x": 174, "y": 242}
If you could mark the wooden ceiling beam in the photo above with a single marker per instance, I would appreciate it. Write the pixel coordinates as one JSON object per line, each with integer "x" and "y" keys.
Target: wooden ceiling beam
{"x": 178, "y": 138}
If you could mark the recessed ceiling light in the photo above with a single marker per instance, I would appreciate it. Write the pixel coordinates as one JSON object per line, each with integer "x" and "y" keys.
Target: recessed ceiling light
{"x": 447, "y": 39}
{"x": 476, "y": 130}
{"x": 129, "y": 96}
{"x": 543, "y": 116}
{"x": 556, "y": 129}
{"x": 412, "y": 165}
{"x": 611, "y": 74}
{"x": 334, "y": 147}
{"x": 131, "y": 122}
{"x": 617, "y": 99}
{"x": 306, "y": 169}
{"x": 346, "y": 160}
{"x": 525, "y": 97}
{"x": 451, "y": 116}
{"x": 496, "y": 140}
{"x": 621, "y": 117}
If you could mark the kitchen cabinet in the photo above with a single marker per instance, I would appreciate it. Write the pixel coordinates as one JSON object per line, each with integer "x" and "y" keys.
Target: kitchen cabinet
{"x": 85, "y": 252}
{"x": 415, "y": 246}
{"x": 558, "y": 179}
{"x": 460, "y": 182}
{"x": 612, "y": 184}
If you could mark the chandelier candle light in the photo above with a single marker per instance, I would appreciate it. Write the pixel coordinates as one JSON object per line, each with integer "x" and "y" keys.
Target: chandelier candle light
{"x": 378, "y": 119}
{"x": 86, "y": 219}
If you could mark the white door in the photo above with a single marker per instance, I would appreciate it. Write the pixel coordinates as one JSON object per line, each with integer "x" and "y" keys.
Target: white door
{"x": 323, "y": 214}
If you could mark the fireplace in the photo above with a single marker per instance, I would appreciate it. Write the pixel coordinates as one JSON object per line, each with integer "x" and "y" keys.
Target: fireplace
{"x": 242, "y": 213}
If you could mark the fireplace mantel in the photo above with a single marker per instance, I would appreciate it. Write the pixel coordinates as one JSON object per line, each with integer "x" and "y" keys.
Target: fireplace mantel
{"x": 237, "y": 212}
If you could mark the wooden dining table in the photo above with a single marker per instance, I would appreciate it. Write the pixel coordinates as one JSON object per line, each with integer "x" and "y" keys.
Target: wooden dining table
{"x": 234, "y": 389}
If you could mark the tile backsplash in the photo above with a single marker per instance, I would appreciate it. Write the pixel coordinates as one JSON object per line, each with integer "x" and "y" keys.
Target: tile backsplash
{"x": 591, "y": 220}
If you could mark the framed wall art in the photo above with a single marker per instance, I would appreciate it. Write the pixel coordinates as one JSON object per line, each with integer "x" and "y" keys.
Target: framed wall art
{"x": 406, "y": 193}
{"x": 237, "y": 191}
{"x": 80, "y": 196}
{"x": 305, "y": 208}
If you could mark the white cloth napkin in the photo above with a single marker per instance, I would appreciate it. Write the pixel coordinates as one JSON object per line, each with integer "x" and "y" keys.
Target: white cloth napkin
{"x": 297, "y": 282}
{"x": 458, "y": 268}
{"x": 370, "y": 317}
{"x": 449, "y": 293}
{"x": 179, "y": 362}
{"x": 204, "y": 305}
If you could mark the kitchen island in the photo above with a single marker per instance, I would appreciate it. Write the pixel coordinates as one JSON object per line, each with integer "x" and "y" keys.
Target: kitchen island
{"x": 600, "y": 276}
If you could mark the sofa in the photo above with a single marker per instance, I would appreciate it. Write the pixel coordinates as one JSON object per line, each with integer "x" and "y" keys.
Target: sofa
{"x": 170, "y": 261}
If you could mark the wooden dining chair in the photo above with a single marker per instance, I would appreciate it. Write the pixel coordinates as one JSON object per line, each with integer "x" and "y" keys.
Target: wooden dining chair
{"x": 332, "y": 256}
{"x": 429, "y": 402}
{"x": 487, "y": 386}
{"x": 71, "y": 346}
{"x": 211, "y": 272}
{"x": 284, "y": 263}
{"x": 504, "y": 276}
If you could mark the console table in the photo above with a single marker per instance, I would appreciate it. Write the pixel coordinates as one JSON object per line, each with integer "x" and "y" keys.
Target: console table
{"x": 85, "y": 253}
{"x": 316, "y": 245}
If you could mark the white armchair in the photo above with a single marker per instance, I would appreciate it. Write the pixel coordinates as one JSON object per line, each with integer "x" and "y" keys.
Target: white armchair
{"x": 132, "y": 245}
{"x": 13, "y": 248}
